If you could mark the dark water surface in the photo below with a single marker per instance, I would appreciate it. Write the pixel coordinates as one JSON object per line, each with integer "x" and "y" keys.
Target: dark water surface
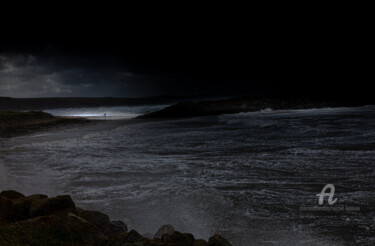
{"x": 244, "y": 175}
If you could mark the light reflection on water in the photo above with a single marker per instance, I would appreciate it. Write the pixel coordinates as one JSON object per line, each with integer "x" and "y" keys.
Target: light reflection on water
{"x": 243, "y": 175}
{"x": 112, "y": 113}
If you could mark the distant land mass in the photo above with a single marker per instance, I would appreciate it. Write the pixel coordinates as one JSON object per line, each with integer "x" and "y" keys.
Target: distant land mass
{"x": 201, "y": 105}
{"x": 8, "y": 103}
{"x": 254, "y": 103}
{"x": 19, "y": 123}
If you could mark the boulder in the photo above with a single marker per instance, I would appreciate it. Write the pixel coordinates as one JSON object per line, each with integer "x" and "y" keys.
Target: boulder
{"x": 56, "y": 205}
{"x": 18, "y": 208}
{"x": 11, "y": 194}
{"x": 97, "y": 218}
{"x": 218, "y": 240}
{"x": 118, "y": 227}
{"x": 6, "y": 210}
{"x": 148, "y": 242}
{"x": 51, "y": 230}
{"x": 22, "y": 206}
{"x": 133, "y": 237}
{"x": 39, "y": 220}
{"x": 200, "y": 242}
{"x": 102, "y": 221}
{"x": 178, "y": 239}
{"x": 85, "y": 232}
{"x": 148, "y": 235}
{"x": 128, "y": 239}
{"x": 164, "y": 230}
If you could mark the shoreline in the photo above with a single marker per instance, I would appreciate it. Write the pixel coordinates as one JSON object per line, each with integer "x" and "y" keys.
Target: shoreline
{"x": 236, "y": 105}
{"x": 42, "y": 220}
{"x": 54, "y": 124}
{"x": 14, "y": 124}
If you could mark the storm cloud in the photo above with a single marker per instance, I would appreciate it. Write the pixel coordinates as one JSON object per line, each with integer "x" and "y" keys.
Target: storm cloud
{"x": 32, "y": 76}
{"x": 52, "y": 73}
{"x": 171, "y": 63}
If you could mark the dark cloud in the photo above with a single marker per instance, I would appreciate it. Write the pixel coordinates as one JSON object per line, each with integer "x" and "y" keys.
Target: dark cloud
{"x": 239, "y": 55}
{"x": 78, "y": 70}
{"x": 34, "y": 76}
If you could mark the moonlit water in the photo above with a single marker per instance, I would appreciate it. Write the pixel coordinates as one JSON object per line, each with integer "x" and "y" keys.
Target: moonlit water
{"x": 112, "y": 113}
{"x": 243, "y": 175}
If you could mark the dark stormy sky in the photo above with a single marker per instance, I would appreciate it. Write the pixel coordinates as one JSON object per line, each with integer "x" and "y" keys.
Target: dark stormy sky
{"x": 184, "y": 53}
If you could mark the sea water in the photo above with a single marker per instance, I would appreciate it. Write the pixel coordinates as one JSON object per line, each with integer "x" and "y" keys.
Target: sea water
{"x": 107, "y": 112}
{"x": 245, "y": 175}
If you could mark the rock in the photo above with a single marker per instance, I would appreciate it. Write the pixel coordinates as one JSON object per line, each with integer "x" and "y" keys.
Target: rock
{"x": 178, "y": 239}
{"x": 148, "y": 242}
{"x": 6, "y": 210}
{"x": 165, "y": 229}
{"x": 218, "y": 240}
{"x": 97, "y": 218}
{"x": 133, "y": 236}
{"x": 16, "y": 205}
{"x": 11, "y": 194}
{"x": 55, "y": 205}
{"x": 200, "y": 242}
{"x": 22, "y": 206}
{"x": 39, "y": 220}
{"x": 85, "y": 231}
{"x": 102, "y": 222}
{"x": 128, "y": 238}
{"x": 118, "y": 227}
{"x": 147, "y": 235}
{"x": 51, "y": 230}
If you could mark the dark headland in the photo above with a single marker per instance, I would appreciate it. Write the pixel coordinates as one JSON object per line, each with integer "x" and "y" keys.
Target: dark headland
{"x": 19, "y": 123}
{"x": 39, "y": 220}
{"x": 255, "y": 103}
{"x": 26, "y": 104}
{"x": 14, "y": 121}
{"x": 14, "y": 124}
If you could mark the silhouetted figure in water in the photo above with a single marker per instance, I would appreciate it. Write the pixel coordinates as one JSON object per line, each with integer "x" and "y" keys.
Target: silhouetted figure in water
{"x": 105, "y": 116}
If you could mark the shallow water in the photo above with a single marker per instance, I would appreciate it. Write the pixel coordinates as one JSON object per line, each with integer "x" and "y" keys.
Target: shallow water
{"x": 243, "y": 175}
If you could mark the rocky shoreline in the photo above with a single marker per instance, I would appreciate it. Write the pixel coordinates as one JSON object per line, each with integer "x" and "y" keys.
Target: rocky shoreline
{"x": 40, "y": 220}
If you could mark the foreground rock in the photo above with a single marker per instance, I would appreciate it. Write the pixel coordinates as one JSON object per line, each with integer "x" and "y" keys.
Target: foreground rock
{"x": 40, "y": 220}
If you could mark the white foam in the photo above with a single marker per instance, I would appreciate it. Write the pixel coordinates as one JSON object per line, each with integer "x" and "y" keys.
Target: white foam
{"x": 266, "y": 110}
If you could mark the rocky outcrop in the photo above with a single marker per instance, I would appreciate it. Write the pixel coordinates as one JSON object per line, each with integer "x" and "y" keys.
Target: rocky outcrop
{"x": 40, "y": 220}
{"x": 102, "y": 222}
{"x": 164, "y": 230}
{"x": 52, "y": 206}
{"x": 11, "y": 194}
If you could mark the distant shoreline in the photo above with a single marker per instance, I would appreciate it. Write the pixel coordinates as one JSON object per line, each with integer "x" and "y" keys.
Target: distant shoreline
{"x": 27, "y": 104}
{"x": 13, "y": 124}
{"x": 21, "y": 123}
{"x": 245, "y": 104}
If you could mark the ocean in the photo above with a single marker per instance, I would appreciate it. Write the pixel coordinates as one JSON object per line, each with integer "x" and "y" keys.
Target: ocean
{"x": 253, "y": 177}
